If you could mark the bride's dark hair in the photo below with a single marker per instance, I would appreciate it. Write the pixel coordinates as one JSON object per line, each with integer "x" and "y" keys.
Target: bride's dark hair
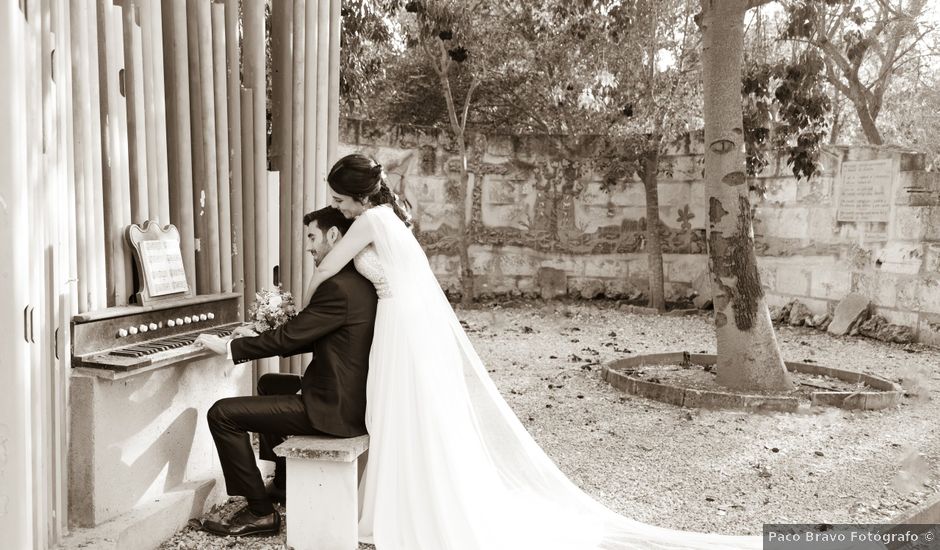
{"x": 361, "y": 178}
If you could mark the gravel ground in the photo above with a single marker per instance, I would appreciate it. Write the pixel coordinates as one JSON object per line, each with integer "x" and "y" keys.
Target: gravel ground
{"x": 702, "y": 470}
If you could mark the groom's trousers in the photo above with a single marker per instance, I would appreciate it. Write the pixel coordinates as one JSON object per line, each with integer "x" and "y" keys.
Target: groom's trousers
{"x": 276, "y": 412}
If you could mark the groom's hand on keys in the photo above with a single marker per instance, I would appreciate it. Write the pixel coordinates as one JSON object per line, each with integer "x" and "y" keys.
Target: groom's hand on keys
{"x": 213, "y": 343}
{"x": 243, "y": 332}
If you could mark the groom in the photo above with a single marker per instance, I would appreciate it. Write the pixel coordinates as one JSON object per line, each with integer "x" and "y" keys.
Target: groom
{"x": 337, "y": 327}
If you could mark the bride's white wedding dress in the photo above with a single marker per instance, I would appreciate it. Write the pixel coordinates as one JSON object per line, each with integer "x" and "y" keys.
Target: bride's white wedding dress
{"x": 450, "y": 466}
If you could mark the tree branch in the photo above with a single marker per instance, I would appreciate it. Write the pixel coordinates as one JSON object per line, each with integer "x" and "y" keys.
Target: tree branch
{"x": 466, "y": 104}
{"x": 757, "y": 3}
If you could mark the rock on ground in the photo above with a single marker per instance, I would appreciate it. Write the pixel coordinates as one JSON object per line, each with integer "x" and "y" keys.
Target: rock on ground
{"x": 852, "y": 310}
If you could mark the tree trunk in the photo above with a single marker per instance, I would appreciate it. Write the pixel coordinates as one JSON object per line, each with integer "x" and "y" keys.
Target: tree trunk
{"x": 868, "y": 124}
{"x": 466, "y": 269}
{"x": 748, "y": 355}
{"x": 654, "y": 245}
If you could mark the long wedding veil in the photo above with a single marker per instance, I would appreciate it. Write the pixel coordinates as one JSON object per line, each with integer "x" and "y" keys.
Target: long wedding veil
{"x": 512, "y": 486}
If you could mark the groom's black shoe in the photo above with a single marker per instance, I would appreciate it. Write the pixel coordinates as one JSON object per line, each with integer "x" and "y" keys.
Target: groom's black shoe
{"x": 245, "y": 523}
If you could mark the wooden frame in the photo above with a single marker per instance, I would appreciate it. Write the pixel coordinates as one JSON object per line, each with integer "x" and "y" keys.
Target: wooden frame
{"x": 136, "y": 235}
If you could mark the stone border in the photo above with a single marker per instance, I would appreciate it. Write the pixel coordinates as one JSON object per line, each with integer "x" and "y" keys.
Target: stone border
{"x": 926, "y": 512}
{"x": 888, "y": 393}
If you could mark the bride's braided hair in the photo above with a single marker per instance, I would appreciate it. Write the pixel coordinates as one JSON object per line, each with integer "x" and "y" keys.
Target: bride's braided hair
{"x": 361, "y": 178}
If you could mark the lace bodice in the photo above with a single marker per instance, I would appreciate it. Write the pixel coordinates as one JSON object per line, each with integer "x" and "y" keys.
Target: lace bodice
{"x": 367, "y": 263}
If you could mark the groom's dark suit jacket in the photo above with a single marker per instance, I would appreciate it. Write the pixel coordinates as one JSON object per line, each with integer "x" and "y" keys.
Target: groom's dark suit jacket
{"x": 337, "y": 327}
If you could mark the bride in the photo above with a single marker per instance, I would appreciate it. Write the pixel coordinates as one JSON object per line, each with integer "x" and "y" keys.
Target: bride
{"x": 450, "y": 466}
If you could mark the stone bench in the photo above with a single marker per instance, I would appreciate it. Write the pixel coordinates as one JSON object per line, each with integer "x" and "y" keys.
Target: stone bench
{"x": 322, "y": 490}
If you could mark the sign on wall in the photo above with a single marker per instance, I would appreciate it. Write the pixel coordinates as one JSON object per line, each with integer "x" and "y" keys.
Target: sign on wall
{"x": 866, "y": 191}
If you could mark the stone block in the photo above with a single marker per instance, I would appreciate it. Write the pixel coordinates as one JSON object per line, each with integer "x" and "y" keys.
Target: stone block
{"x": 910, "y": 223}
{"x": 911, "y": 162}
{"x": 792, "y": 280}
{"x": 514, "y": 261}
{"x": 908, "y": 291}
{"x": 932, "y": 221}
{"x": 148, "y": 524}
{"x": 135, "y": 438}
{"x": 630, "y": 194}
{"x": 322, "y": 479}
{"x": 684, "y": 268}
{"x": 932, "y": 259}
{"x": 487, "y": 286}
{"x": 606, "y": 266}
{"x": 817, "y": 191}
{"x": 444, "y": 265}
{"x": 928, "y": 331}
{"x": 852, "y": 310}
{"x": 822, "y": 224}
{"x": 500, "y": 146}
{"x": 778, "y": 300}
{"x": 831, "y": 284}
{"x": 788, "y": 223}
{"x": 484, "y": 259}
{"x": 515, "y": 214}
{"x": 553, "y": 283}
{"x": 767, "y": 271}
{"x": 315, "y": 447}
{"x": 685, "y": 169}
{"x": 638, "y": 265}
{"x": 526, "y": 284}
{"x": 699, "y": 197}
{"x": 885, "y": 291}
{"x": 570, "y": 264}
{"x": 929, "y": 296}
{"x": 864, "y": 284}
{"x": 904, "y": 258}
{"x": 588, "y": 218}
{"x": 674, "y": 194}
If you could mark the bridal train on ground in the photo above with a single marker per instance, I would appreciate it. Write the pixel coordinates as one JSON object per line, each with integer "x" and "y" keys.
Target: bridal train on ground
{"x": 450, "y": 465}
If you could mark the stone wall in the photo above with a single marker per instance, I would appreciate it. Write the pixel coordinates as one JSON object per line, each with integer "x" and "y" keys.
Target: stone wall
{"x": 535, "y": 210}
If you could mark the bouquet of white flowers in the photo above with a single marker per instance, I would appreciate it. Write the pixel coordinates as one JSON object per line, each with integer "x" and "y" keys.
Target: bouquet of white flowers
{"x": 272, "y": 308}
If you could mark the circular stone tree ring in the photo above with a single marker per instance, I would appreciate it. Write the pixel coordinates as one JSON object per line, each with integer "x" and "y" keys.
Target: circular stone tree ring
{"x": 880, "y": 393}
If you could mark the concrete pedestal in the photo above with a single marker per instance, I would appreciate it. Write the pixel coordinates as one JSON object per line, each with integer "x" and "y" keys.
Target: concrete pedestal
{"x": 322, "y": 491}
{"x": 140, "y": 441}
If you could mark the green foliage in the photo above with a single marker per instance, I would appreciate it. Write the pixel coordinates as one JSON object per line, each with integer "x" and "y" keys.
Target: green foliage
{"x": 786, "y": 109}
{"x": 370, "y": 36}
{"x": 864, "y": 46}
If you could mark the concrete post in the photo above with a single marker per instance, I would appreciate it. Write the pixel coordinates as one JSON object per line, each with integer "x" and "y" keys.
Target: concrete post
{"x": 15, "y": 475}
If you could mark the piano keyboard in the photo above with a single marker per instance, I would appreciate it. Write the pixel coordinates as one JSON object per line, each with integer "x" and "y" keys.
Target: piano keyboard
{"x": 142, "y": 337}
{"x": 155, "y": 347}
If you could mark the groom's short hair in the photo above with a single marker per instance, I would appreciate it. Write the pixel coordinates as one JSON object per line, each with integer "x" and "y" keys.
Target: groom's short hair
{"x": 328, "y": 217}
